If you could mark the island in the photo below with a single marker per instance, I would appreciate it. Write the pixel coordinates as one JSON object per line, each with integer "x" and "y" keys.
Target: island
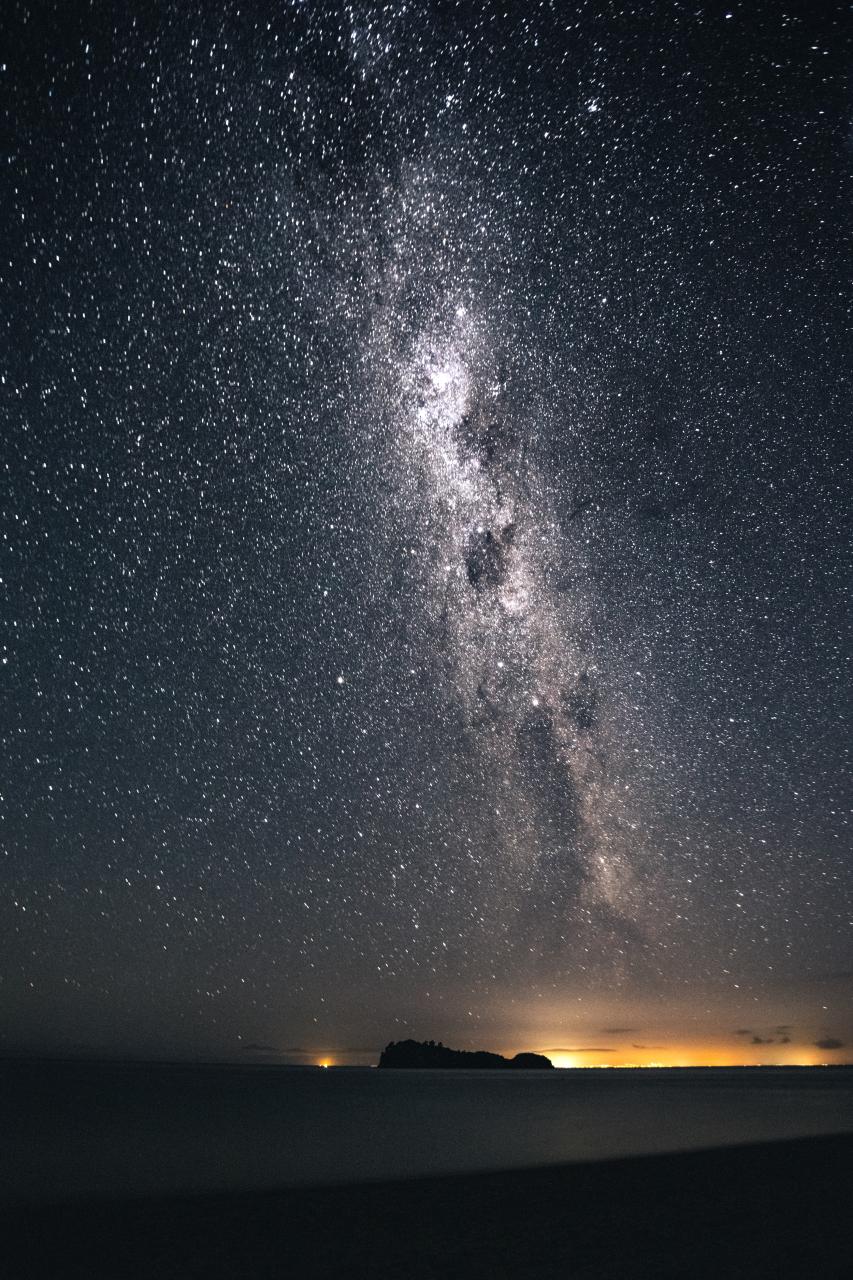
{"x": 420, "y": 1054}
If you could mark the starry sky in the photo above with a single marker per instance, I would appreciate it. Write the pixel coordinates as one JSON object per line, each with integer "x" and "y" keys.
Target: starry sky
{"x": 425, "y": 529}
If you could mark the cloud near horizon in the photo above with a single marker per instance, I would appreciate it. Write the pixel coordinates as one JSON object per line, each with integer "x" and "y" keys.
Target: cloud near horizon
{"x": 330, "y": 1051}
{"x": 581, "y": 1050}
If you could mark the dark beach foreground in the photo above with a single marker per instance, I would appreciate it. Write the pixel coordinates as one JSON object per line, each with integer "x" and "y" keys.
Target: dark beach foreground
{"x": 770, "y": 1209}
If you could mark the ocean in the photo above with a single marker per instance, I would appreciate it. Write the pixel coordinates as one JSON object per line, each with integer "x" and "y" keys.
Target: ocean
{"x": 73, "y": 1130}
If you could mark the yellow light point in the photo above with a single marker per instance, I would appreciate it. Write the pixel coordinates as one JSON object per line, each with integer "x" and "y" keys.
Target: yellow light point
{"x": 325, "y": 1062}
{"x": 565, "y": 1060}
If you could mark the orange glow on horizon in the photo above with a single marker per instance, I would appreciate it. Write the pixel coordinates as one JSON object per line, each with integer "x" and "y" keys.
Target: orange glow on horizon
{"x": 708, "y": 1053}
{"x": 695, "y": 1055}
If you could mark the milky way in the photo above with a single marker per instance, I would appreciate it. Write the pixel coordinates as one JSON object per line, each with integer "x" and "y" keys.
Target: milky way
{"x": 521, "y": 660}
{"x": 425, "y": 541}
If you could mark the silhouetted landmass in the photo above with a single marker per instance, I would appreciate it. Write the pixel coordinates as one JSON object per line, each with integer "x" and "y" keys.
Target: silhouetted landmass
{"x": 426, "y": 1053}
{"x": 531, "y": 1061}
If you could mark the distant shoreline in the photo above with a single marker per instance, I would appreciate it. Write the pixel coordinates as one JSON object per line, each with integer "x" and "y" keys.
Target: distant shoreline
{"x": 13, "y": 1059}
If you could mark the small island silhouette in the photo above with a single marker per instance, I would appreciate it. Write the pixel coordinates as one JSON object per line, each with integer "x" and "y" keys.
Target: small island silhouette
{"x": 420, "y": 1054}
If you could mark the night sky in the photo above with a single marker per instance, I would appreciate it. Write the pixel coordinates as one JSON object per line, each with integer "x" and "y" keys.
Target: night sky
{"x": 425, "y": 538}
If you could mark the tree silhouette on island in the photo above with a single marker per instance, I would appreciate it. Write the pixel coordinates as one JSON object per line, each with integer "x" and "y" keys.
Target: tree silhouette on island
{"x": 426, "y": 1053}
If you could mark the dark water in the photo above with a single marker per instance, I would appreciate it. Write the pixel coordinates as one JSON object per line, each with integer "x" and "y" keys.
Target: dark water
{"x": 78, "y": 1129}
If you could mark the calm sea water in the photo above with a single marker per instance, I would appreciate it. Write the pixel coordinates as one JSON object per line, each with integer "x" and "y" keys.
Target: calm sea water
{"x": 82, "y": 1129}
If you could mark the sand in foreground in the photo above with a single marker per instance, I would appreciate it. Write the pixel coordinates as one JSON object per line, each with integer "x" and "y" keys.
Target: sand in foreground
{"x": 773, "y": 1209}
